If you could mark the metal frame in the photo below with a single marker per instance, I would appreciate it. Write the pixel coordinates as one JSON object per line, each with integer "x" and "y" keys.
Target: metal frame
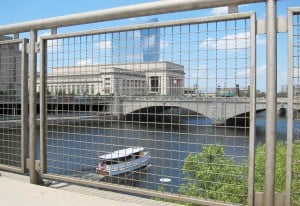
{"x": 290, "y": 116}
{"x": 251, "y": 192}
{"x": 120, "y": 13}
{"x": 43, "y": 122}
{"x": 167, "y": 7}
{"x": 32, "y": 106}
{"x": 24, "y": 108}
{"x": 271, "y": 119}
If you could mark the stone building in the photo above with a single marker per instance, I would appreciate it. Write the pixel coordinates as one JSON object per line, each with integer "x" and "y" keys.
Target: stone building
{"x": 151, "y": 78}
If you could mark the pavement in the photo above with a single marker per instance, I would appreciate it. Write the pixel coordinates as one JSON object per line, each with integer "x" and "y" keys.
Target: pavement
{"x": 15, "y": 190}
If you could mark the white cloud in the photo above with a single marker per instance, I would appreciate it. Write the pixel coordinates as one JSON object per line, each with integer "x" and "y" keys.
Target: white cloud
{"x": 223, "y": 10}
{"x": 84, "y": 62}
{"x": 231, "y": 41}
{"x": 149, "y": 41}
{"x": 243, "y": 73}
{"x": 43, "y": 34}
{"x": 261, "y": 77}
{"x": 261, "y": 40}
{"x": 261, "y": 70}
{"x": 104, "y": 45}
{"x": 134, "y": 58}
{"x": 137, "y": 34}
{"x": 219, "y": 11}
{"x": 163, "y": 44}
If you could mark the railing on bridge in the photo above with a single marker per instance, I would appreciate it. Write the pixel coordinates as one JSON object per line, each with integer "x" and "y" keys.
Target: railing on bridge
{"x": 89, "y": 81}
{"x": 13, "y": 98}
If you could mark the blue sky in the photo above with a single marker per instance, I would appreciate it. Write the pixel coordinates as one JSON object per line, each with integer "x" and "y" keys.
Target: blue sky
{"x": 12, "y": 12}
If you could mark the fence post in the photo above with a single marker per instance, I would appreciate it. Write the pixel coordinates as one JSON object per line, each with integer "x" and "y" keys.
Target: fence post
{"x": 251, "y": 192}
{"x": 271, "y": 119}
{"x": 290, "y": 112}
{"x": 32, "y": 106}
{"x": 24, "y": 105}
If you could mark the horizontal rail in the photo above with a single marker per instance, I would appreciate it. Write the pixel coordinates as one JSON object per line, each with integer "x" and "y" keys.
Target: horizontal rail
{"x": 139, "y": 191}
{"x": 294, "y": 10}
{"x": 153, "y": 25}
{"x": 119, "y": 13}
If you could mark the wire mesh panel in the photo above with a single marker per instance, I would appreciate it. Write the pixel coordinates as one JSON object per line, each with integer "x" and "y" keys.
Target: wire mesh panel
{"x": 161, "y": 106}
{"x": 293, "y": 148}
{"x": 12, "y": 64}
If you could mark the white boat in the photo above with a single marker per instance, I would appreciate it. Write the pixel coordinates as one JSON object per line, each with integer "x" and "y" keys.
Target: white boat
{"x": 122, "y": 161}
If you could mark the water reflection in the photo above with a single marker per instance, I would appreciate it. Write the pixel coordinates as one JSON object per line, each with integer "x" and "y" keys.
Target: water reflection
{"x": 72, "y": 149}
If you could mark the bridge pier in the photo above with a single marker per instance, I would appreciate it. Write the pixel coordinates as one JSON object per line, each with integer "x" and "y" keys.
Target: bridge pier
{"x": 219, "y": 121}
{"x": 117, "y": 108}
{"x": 242, "y": 121}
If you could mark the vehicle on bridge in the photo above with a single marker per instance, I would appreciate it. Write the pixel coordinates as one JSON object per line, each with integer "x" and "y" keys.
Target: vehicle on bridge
{"x": 123, "y": 161}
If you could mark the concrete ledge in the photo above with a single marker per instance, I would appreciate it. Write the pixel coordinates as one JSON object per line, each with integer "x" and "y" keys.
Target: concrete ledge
{"x": 15, "y": 190}
{"x": 17, "y": 193}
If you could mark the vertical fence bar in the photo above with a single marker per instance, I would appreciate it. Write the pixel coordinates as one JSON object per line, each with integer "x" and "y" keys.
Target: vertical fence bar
{"x": 24, "y": 105}
{"x": 290, "y": 115}
{"x": 32, "y": 106}
{"x": 251, "y": 193}
{"x": 271, "y": 101}
{"x": 43, "y": 105}
{"x": 71, "y": 151}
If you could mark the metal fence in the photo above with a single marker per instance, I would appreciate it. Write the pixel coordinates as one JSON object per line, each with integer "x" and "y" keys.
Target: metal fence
{"x": 175, "y": 100}
{"x": 13, "y": 113}
{"x": 293, "y": 161}
{"x": 124, "y": 88}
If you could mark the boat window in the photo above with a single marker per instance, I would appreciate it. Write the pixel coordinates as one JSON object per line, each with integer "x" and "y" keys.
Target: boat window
{"x": 118, "y": 160}
{"x": 122, "y": 159}
{"x": 111, "y": 162}
{"x": 136, "y": 155}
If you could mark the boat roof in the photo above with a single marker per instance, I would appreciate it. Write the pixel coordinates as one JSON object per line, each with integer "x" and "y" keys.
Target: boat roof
{"x": 121, "y": 153}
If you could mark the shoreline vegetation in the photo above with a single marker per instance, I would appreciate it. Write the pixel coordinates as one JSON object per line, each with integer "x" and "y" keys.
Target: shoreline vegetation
{"x": 211, "y": 175}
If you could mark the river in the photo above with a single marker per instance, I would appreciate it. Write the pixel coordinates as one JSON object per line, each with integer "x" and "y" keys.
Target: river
{"x": 73, "y": 148}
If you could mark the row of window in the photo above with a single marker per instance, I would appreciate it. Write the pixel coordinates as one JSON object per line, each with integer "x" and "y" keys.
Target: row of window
{"x": 128, "y": 87}
{"x": 71, "y": 89}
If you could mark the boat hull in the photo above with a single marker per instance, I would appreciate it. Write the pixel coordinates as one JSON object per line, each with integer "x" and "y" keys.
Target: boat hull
{"x": 124, "y": 167}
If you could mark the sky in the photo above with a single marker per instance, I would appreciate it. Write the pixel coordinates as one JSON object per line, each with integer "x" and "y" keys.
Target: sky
{"x": 12, "y": 12}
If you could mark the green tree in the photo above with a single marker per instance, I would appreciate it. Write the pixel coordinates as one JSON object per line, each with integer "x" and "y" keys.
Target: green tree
{"x": 280, "y": 172}
{"x": 295, "y": 197}
{"x": 211, "y": 175}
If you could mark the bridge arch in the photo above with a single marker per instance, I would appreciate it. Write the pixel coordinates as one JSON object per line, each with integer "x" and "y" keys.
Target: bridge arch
{"x": 220, "y": 112}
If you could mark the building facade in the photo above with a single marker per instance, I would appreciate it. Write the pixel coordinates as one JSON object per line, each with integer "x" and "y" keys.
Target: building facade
{"x": 159, "y": 78}
{"x": 151, "y": 43}
{"x": 137, "y": 46}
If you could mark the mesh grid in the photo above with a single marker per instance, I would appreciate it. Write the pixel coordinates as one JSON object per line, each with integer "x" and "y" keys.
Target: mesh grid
{"x": 180, "y": 92}
{"x": 10, "y": 104}
{"x": 295, "y": 195}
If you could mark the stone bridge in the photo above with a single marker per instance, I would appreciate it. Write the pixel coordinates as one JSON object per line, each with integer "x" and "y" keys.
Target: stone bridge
{"x": 219, "y": 109}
